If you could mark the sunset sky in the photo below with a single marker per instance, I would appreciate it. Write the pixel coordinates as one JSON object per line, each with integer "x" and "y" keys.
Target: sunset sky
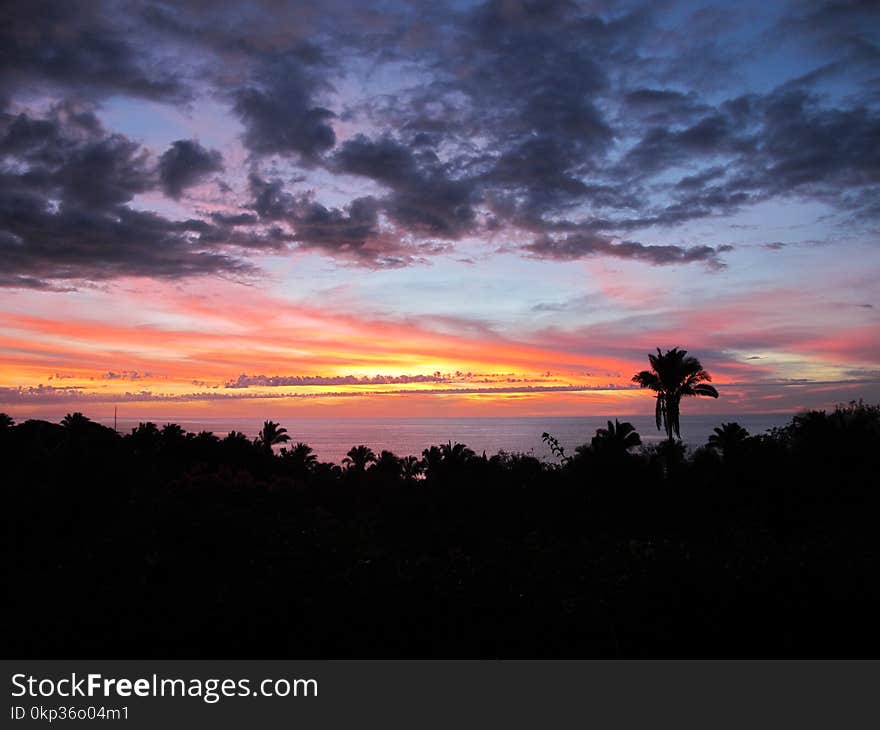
{"x": 425, "y": 208}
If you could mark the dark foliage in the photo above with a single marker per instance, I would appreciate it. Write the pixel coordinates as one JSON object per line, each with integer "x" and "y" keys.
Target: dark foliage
{"x": 163, "y": 543}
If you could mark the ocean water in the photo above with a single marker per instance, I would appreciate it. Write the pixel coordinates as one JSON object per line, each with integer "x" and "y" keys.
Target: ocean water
{"x": 331, "y": 438}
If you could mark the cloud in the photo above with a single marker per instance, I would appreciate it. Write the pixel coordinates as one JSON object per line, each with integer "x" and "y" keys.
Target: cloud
{"x": 247, "y": 381}
{"x": 662, "y": 106}
{"x": 186, "y": 163}
{"x": 79, "y": 47}
{"x": 425, "y": 200}
{"x": 125, "y": 375}
{"x": 68, "y": 156}
{"x": 78, "y": 244}
{"x": 662, "y": 147}
{"x": 575, "y": 126}
{"x": 351, "y": 234}
{"x": 43, "y": 394}
{"x": 577, "y": 246}
{"x": 64, "y": 216}
{"x": 278, "y": 110}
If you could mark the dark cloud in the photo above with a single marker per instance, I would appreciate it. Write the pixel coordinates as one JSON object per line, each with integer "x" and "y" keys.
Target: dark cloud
{"x": 576, "y": 246}
{"x": 842, "y": 33}
{"x": 426, "y": 199}
{"x": 247, "y": 381}
{"x": 234, "y": 219}
{"x": 277, "y": 381}
{"x": 270, "y": 200}
{"x": 351, "y": 234}
{"x": 78, "y": 46}
{"x": 314, "y": 224}
{"x": 804, "y": 144}
{"x": 186, "y": 163}
{"x": 661, "y": 106}
{"x": 321, "y": 227}
{"x": 64, "y": 188}
{"x": 661, "y": 148}
{"x": 575, "y": 126}
{"x": 278, "y": 110}
{"x": 41, "y": 245}
{"x": 125, "y": 375}
{"x": 68, "y": 156}
{"x": 385, "y": 160}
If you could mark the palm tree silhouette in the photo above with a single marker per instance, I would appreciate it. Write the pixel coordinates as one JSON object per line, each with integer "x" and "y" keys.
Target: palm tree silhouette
{"x": 616, "y": 440}
{"x": 674, "y": 375}
{"x": 303, "y": 454}
{"x": 432, "y": 459}
{"x": 146, "y": 430}
{"x": 301, "y": 459}
{"x": 173, "y": 433}
{"x": 271, "y": 434}
{"x": 728, "y": 438}
{"x": 388, "y": 464}
{"x": 412, "y": 468}
{"x": 74, "y": 421}
{"x": 358, "y": 457}
{"x": 456, "y": 455}
{"x": 145, "y": 438}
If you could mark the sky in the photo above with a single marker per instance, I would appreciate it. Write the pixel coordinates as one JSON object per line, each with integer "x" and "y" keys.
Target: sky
{"x": 346, "y": 208}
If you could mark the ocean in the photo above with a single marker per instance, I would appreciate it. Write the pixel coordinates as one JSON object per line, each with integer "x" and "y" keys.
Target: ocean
{"x": 331, "y": 438}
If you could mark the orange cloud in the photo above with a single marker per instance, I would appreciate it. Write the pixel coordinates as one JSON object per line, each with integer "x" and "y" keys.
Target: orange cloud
{"x": 186, "y": 346}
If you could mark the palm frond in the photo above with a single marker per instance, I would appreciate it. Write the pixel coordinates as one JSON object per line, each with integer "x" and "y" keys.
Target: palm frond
{"x": 647, "y": 379}
{"x": 707, "y": 390}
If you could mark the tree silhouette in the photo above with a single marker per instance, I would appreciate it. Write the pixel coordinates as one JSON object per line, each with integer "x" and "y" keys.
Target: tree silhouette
{"x": 411, "y": 468}
{"x": 172, "y": 433}
{"x": 674, "y": 375}
{"x": 358, "y": 457}
{"x": 388, "y": 465}
{"x": 206, "y": 437}
{"x": 164, "y": 527}
{"x": 301, "y": 459}
{"x": 237, "y": 447}
{"x": 75, "y": 421}
{"x": 432, "y": 458}
{"x": 145, "y": 430}
{"x": 616, "y": 440}
{"x": 6, "y": 421}
{"x": 270, "y": 435}
{"x": 455, "y": 455}
{"x": 729, "y": 439}
{"x": 446, "y": 460}
{"x": 145, "y": 438}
